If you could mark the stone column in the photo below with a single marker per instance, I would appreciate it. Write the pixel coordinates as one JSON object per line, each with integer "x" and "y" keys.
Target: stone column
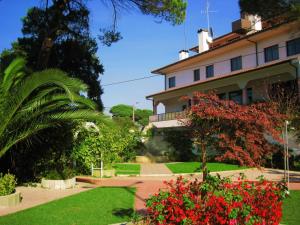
{"x": 245, "y": 96}
{"x": 155, "y": 104}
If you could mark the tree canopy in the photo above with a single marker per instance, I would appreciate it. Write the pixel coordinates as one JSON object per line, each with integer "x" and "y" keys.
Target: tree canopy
{"x": 126, "y": 111}
{"x": 52, "y": 39}
{"x": 271, "y": 8}
{"x": 246, "y": 134}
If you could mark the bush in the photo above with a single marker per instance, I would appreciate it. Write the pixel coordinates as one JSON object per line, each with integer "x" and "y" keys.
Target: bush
{"x": 7, "y": 184}
{"x": 217, "y": 201}
{"x": 59, "y": 175}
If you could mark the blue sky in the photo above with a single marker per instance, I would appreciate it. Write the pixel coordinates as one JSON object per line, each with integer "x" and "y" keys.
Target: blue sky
{"x": 146, "y": 44}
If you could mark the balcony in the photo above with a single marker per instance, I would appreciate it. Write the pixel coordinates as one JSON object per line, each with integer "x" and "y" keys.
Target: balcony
{"x": 165, "y": 120}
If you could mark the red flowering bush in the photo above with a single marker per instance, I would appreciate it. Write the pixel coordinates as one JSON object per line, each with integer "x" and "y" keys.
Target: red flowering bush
{"x": 217, "y": 201}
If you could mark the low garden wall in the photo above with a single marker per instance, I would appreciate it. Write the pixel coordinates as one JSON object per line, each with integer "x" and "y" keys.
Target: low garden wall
{"x": 59, "y": 184}
{"x": 10, "y": 200}
{"x": 105, "y": 173}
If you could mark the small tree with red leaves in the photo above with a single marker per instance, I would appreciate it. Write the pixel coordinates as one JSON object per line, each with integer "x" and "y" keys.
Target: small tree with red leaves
{"x": 244, "y": 133}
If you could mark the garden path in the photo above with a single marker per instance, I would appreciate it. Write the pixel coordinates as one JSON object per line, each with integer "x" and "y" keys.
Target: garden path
{"x": 155, "y": 169}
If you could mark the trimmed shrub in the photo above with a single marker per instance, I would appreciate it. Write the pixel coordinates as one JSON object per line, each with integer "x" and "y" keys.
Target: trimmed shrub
{"x": 217, "y": 201}
{"x": 7, "y": 184}
{"x": 64, "y": 174}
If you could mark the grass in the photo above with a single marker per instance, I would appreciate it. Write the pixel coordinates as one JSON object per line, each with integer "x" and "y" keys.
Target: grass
{"x": 100, "y": 206}
{"x": 127, "y": 169}
{"x": 291, "y": 206}
{"x": 194, "y": 167}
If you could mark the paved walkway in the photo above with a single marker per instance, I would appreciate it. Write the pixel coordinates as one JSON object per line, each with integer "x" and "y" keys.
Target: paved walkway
{"x": 155, "y": 169}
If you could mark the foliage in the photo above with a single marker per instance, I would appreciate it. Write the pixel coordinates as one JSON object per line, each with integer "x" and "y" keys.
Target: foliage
{"x": 108, "y": 140}
{"x": 7, "y": 184}
{"x": 30, "y": 103}
{"x": 242, "y": 133}
{"x": 181, "y": 141}
{"x": 106, "y": 205}
{"x": 121, "y": 110}
{"x": 270, "y": 8}
{"x": 126, "y": 111}
{"x": 58, "y": 38}
{"x": 64, "y": 174}
{"x": 217, "y": 201}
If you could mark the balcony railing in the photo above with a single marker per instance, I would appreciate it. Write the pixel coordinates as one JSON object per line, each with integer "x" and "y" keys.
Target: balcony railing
{"x": 167, "y": 116}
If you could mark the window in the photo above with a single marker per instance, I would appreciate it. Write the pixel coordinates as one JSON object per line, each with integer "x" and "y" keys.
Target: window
{"x": 271, "y": 53}
{"x": 249, "y": 95}
{"x": 209, "y": 71}
{"x": 196, "y": 75}
{"x": 222, "y": 96}
{"x": 172, "y": 82}
{"x": 236, "y": 96}
{"x": 236, "y": 63}
{"x": 293, "y": 47}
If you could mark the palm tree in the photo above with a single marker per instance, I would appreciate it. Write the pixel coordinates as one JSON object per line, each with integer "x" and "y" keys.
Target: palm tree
{"x": 35, "y": 101}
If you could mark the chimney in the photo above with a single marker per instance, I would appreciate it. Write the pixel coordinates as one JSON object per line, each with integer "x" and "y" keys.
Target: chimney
{"x": 183, "y": 54}
{"x": 255, "y": 20}
{"x": 247, "y": 24}
{"x": 204, "y": 40}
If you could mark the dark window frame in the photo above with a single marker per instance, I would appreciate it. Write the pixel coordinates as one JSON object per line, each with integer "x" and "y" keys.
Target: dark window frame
{"x": 197, "y": 75}
{"x": 236, "y": 63}
{"x": 210, "y": 71}
{"x": 273, "y": 54}
{"x": 293, "y": 47}
{"x": 172, "y": 82}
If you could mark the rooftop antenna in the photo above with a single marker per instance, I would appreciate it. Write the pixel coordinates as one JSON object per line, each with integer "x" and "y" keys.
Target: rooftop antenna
{"x": 207, "y": 12}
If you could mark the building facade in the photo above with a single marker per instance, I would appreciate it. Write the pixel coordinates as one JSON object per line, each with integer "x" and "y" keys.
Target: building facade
{"x": 240, "y": 66}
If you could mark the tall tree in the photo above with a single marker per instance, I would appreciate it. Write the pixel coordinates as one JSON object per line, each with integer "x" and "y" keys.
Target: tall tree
{"x": 141, "y": 116}
{"x": 53, "y": 39}
{"x": 33, "y": 102}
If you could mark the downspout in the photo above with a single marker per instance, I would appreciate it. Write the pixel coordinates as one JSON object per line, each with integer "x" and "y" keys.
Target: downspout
{"x": 297, "y": 75}
{"x": 256, "y": 51}
{"x": 165, "y": 81}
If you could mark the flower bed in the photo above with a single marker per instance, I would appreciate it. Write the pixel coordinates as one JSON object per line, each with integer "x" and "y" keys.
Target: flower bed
{"x": 8, "y": 195}
{"x": 59, "y": 184}
{"x": 217, "y": 201}
{"x": 10, "y": 200}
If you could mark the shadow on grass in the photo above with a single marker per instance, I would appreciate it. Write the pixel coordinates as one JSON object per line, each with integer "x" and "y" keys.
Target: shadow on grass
{"x": 123, "y": 213}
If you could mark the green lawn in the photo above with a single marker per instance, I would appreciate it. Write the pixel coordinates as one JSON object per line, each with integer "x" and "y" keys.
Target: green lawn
{"x": 291, "y": 209}
{"x": 194, "y": 167}
{"x": 100, "y": 206}
{"x": 127, "y": 169}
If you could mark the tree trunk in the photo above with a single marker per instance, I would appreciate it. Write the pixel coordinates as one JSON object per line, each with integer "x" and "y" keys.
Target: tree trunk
{"x": 204, "y": 167}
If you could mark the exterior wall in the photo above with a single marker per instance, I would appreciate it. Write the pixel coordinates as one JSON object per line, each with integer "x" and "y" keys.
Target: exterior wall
{"x": 222, "y": 62}
{"x": 173, "y": 105}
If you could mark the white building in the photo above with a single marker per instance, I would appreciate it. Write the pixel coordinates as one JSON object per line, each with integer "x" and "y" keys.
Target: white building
{"x": 239, "y": 66}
